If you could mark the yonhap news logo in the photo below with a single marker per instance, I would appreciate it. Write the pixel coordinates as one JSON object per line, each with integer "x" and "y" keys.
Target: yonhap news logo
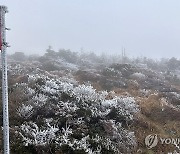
{"x": 153, "y": 140}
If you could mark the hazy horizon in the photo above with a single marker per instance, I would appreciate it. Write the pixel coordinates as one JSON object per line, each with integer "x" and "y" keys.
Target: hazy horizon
{"x": 145, "y": 28}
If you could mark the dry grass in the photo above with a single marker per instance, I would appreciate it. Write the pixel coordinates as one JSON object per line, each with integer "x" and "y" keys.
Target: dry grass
{"x": 156, "y": 118}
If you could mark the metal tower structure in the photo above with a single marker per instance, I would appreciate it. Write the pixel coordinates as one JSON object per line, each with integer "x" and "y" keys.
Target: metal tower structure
{"x": 3, "y": 46}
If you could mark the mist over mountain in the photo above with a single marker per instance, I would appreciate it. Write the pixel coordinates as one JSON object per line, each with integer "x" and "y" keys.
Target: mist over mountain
{"x": 149, "y": 29}
{"x": 91, "y": 77}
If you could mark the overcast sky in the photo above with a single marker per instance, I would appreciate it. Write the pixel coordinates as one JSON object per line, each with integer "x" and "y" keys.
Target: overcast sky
{"x": 144, "y": 27}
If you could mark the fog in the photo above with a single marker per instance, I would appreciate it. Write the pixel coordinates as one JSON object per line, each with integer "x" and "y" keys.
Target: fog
{"x": 91, "y": 77}
{"x": 144, "y": 28}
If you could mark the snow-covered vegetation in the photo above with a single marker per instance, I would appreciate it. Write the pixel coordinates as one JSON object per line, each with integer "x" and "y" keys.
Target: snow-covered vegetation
{"x": 70, "y": 103}
{"x": 78, "y": 117}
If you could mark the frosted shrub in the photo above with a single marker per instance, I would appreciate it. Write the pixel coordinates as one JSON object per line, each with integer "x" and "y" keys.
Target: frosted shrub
{"x": 85, "y": 120}
{"x": 176, "y": 94}
{"x": 39, "y": 100}
{"x": 86, "y": 93}
{"x": 33, "y": 135}
{"x": 125, "y": 140}
{"x": 138, "y": 75}
{"x": 25, "y": 111}
{"x": 125, "y": 106}
{"x": 66, "y": 108}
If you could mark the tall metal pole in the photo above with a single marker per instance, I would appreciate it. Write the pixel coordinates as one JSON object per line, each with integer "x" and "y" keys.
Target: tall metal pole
{"x": 3, "y": 46}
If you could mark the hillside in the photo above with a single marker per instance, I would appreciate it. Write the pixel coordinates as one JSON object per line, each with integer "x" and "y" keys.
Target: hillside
{"x": 65, "y": 103}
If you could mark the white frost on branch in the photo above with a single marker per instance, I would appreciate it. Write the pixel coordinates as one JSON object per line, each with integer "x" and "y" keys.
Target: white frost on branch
{"x": 33, "y": 135}
{"x": 25, "y": 111}
{"x": 126, "y": 106}
{"x": 88, "y": 93}
{"x": 39, "y": 100}
{"x": 60, "y": 98}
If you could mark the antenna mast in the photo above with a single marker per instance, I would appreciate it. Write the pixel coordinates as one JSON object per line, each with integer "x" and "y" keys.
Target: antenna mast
{"x": 3, "y": 46}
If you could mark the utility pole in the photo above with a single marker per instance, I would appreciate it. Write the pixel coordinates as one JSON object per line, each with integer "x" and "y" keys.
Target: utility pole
{"x": 3, "y": 46}
{"x": 123, "y": 55}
